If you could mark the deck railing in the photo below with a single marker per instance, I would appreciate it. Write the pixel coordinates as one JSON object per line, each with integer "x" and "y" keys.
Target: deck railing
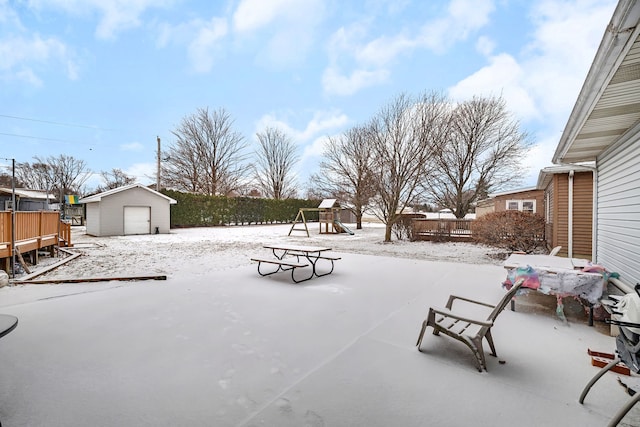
{"x": 34, "y": 230}
{"x": 443, "y": 229}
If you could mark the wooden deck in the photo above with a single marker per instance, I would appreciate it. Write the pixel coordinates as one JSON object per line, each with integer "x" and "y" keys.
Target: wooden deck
{"x": 34, "y": 231}
{"x": 459, "y": 230}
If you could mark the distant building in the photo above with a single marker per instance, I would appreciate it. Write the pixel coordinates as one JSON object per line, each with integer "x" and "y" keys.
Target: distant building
{"x": 26, "y": 200}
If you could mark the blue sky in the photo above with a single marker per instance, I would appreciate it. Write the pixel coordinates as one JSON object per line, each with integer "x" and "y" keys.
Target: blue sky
{"x": 100, "y": 79}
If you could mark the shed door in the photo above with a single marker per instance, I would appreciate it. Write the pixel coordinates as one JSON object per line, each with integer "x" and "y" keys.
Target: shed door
{"x": 137, "y": 220}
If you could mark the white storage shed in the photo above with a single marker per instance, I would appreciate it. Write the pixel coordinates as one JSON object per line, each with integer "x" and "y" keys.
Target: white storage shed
{"x": 132, "y": 209}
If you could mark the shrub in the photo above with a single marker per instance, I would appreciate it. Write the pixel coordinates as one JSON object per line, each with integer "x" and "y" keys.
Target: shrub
{"x": 512, "y": 230}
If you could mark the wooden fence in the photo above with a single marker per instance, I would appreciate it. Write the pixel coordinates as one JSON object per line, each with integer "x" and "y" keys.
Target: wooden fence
{"x": 34, "y": 230}
{"x": 460, "y": 230}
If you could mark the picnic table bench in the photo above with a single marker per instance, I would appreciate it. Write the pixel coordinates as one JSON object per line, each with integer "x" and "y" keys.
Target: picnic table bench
{"x": 305, "y": 256}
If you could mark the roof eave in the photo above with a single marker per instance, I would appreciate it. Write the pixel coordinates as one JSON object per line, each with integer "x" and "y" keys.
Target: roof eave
{"x": 617, "y": 38}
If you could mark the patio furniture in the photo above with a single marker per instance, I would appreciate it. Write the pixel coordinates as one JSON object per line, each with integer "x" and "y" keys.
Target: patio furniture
{"x": 555, "y": 251}
{"x": 7, "y": 324}
{"x": 305, "y": 256}
{"x": 465, "y": 329}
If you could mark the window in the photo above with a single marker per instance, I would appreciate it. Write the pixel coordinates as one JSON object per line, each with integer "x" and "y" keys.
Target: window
{"x": 521, "y": 205}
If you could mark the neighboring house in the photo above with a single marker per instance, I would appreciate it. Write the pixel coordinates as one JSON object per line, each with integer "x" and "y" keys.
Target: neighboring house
{"x": 132, "y": 209}
{"x": 526, "y": 200}
{"x": 26, "y": 200}
{"x": 604, "y": 127}
{"x": 568, "y": 208}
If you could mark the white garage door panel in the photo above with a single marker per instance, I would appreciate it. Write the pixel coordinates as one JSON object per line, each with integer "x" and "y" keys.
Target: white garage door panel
{"x": 137, "y": 220}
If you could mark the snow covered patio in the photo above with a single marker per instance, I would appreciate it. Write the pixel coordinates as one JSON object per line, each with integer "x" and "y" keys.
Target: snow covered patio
{"x": 218, "y": 345}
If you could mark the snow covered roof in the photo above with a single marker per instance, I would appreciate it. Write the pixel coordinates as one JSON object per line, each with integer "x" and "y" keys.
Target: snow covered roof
{"x": 99, "y": 196}
{"x": 26, "y": 193}
{"x": 519, "y": 190}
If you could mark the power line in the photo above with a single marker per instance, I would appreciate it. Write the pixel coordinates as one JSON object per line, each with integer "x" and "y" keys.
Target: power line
{"x": 56, "y": 123}
{"x": 38, "y": 137}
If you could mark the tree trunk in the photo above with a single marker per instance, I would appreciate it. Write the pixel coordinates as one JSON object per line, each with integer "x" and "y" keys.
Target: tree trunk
{"x": 387, "y": 232}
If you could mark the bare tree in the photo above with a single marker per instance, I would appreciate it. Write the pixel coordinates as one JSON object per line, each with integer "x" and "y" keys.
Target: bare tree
{"x": 207, "y": 156}
{"x": 62, "y": 174}
{"x": 403, "y": 136}
{"x": 345, "y": 171}
{"x": 275, "y": 158}
{"x": 483, "y": 153}
{"x": 114, "y": 179}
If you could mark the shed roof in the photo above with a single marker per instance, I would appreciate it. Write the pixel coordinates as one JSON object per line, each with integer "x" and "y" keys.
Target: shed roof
{"x": 100, "y": 196}
{"x": 608, "y": 105}
{"x": 26, "y": 193}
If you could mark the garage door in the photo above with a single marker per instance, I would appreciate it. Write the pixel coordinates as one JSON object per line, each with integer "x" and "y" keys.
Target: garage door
{"x": 137, "y": 220}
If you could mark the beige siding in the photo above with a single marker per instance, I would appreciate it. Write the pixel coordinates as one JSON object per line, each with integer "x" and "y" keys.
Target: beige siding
{"x": 582, "y": 214}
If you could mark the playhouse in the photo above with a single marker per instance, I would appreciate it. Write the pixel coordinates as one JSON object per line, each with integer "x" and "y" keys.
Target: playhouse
{"x": 328, "y": 218}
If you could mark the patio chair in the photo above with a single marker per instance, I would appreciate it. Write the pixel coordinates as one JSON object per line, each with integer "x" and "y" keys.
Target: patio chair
{"x": 467, "y": 330}
{"x": 555, "y": 251}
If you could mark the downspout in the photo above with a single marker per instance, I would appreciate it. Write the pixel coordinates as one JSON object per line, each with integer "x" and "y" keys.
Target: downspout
{"x": 594, "y": 222}
{"x": 570, "y": 219}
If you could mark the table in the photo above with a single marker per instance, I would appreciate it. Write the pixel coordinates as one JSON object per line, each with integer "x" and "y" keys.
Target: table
{"x": 544, "y": 261}
{"x": 7, "y": 324}
{"x": 305, "y": 256}
{"x": 559, "y": 276}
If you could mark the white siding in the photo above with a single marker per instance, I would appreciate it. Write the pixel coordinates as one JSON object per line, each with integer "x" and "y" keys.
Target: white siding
{"x": 618, "y": 211}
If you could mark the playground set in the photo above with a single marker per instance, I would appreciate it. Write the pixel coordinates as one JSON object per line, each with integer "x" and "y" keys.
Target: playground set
{"x": 328, "y": 218}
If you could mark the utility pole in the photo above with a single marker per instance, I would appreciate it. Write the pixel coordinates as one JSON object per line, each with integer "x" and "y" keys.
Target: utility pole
{"x": 158, "y": 170}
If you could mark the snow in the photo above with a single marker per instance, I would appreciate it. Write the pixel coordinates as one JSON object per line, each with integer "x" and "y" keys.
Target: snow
{"x": 218, "y": 345}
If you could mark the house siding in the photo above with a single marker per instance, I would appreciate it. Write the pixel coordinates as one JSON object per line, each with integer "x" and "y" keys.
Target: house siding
{"x": 618, "y": 210}
{"x": 500, "y": 202}
{"x": 582, "y": 214}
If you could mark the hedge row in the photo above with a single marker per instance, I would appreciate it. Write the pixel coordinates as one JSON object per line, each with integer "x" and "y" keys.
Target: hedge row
{"x": 197, "y": 210}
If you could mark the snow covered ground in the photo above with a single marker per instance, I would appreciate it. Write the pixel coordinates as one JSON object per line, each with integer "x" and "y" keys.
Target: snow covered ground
{"x": 218, "y": 345}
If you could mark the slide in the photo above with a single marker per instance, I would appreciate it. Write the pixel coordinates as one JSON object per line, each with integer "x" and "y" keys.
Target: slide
{"x": 342, "y": 227}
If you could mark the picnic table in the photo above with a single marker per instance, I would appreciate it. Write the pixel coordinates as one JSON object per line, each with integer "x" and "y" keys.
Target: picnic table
{"x": 558, "y": 276}
{"x": 7, "y": 324}
{"x": 293, "y": 257}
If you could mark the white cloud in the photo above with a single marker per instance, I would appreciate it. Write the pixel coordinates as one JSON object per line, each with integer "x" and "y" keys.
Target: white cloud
{"x": 21, "y": 56}
{"x": 541, "y": 83}
{"x": 253, "y": 15}
{"x": 544, "y": 80}
{"x": 202, "y": 48}
{"x": 203, "y": 40}
{"x": 485, "y": 45}
{"x": 145, "y": 173}
{"x": 336, "y": 83}
{"x": 501, "y": 77}
{"x": 321, "y": 122}
{"x": 370, "y": 60}
{"x": 463, "y": 17}
{"x": 133, "y": 146}
{"x": 285, "y": 28}
{"x": 115, "y": 15}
